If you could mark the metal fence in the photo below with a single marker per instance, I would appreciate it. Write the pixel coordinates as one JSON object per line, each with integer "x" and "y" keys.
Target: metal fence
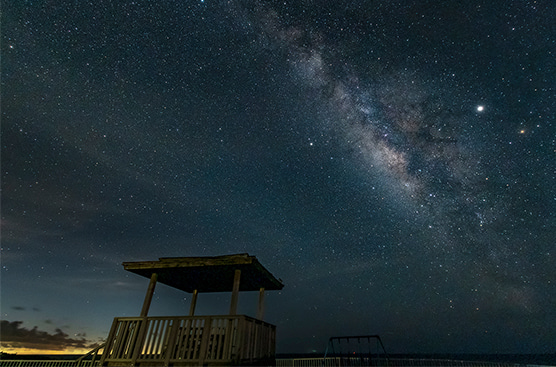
{"x": 389, "y": 362}
{"x": 46, "y": 363}
{"x": 302, "y": 362}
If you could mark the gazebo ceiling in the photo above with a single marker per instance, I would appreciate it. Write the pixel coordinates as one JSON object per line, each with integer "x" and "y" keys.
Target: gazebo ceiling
{"x": 207, "y": 274}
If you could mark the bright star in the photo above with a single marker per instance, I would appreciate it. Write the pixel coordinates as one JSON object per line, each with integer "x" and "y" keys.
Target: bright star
{"x": 480, "y": 108}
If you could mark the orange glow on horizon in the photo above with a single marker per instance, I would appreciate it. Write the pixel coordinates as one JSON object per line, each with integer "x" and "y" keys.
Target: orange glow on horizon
{"x": 24, "y": 351}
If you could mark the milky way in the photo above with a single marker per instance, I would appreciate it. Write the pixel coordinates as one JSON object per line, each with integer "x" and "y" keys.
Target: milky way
{"x": 412, "y": 130}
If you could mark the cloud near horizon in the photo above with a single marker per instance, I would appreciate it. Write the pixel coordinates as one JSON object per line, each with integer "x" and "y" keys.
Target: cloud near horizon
{"x": 15, "y": 337}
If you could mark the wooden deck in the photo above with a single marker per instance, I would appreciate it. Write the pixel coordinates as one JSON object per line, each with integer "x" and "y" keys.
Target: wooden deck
{"x": 189, "y": 341}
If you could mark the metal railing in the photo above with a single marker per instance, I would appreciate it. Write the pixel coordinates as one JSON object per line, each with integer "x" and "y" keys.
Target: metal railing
{"x": 298, "y": 362}
{"x": 390, "y": 362}
{"x": 47, "y": 363}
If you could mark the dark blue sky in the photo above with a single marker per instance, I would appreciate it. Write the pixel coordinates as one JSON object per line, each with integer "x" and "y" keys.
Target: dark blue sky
{"x": 391, "y": 161}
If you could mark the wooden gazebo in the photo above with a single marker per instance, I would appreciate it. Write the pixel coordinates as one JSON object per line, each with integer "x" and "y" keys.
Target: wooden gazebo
{"x": 196, "y": 340}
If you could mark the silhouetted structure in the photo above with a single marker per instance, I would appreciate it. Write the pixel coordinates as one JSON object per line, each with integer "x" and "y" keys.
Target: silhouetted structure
{"x": 196, "y": 340}
{"x": 363, "y": 350}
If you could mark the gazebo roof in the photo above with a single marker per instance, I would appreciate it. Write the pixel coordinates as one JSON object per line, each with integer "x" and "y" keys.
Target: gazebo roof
{"x": 207, "y": 274}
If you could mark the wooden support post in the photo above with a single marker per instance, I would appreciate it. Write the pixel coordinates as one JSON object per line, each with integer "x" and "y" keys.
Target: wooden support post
{"x": 205, "y": 340}
{"x": 149, "y": 295}
{"x": 260, "y": 310}
{"x": 193, "y": 303}
{"x": 172, "y": 343}
{"x": 137, "y": 344}
{"x": 109, "y": 343}
{"x": 235, "y": 292}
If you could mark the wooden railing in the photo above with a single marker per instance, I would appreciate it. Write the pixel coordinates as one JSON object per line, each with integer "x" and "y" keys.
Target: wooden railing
{"x": 189, "y": 340}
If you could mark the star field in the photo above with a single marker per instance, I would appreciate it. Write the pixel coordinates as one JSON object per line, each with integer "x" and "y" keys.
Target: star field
{"x": 392, "y": 162}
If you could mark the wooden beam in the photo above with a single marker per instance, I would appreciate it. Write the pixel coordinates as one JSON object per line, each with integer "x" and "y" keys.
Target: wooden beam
{"x": 193, "y": 303}
{"x": 172, "y": 262}
{"x": 149, "y": 295}
{"x": 260, "y": 310}
{"x": 235, "y": 292}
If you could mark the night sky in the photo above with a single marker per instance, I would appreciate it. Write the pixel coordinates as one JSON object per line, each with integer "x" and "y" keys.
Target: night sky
{"x": 393, "y": 162}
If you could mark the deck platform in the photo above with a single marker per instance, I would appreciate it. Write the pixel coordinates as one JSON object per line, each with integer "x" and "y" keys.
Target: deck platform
{"x": 190, "y": 341}
{"x": 220, "y": 340}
